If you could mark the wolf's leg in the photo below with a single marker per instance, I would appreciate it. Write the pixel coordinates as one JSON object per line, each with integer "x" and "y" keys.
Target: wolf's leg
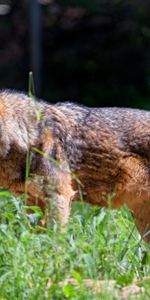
{"x": 140, "y": 209}
{"x": 59, "y": 201}
{"x": 134, "y": 191}
{"x": 58, "y": 210}
{"x": 55, "y": 199}
{"x": 141, "y": 214}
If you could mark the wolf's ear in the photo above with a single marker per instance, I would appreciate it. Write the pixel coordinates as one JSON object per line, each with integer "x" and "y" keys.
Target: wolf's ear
{"x": 19, "y": 138}
{"x": 21, "y": 142}
{"x": 12, "y": 136}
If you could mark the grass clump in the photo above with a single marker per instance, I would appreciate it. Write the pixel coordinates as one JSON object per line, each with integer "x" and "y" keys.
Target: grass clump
{"x": 98, "y": 244}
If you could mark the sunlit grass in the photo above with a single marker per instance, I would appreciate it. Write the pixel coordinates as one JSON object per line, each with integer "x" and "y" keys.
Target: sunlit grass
{"x": 98, "y": 244}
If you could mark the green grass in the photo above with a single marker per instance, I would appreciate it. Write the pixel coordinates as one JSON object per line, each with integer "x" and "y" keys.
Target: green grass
{"x": 98, "y": 244}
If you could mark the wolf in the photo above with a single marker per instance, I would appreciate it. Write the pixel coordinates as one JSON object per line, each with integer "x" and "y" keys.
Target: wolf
{"x": 102, "y": 152}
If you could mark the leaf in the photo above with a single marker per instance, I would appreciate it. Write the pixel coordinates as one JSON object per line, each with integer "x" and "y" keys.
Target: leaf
{"x": 5, "y": 193}
{"x": 69, "y": 291}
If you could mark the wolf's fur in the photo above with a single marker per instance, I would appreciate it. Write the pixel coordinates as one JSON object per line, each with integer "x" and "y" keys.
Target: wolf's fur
{"x": 106, "y": 149}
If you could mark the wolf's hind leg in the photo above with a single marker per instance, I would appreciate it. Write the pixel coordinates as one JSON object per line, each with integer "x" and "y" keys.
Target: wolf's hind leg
{"x": 142, "y": 218}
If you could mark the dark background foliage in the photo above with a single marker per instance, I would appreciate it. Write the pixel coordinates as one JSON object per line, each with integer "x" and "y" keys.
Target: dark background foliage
{"x": 93, "y": 52}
